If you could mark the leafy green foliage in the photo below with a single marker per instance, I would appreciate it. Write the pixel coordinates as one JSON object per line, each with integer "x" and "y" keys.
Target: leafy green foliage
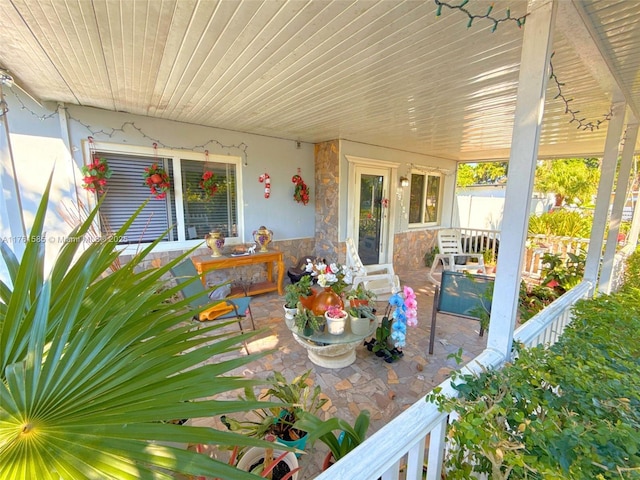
{"x": 561, "y": 223}
{"x": 569, "y": 411}
{"x": 294, "y": 291}
{"x": 288, "y": 401}
{"x": 571, "y": 179}
{"x": 430, "y": 256}
{"x": 562, "y": 275}
{"x": 305, "y": 319}
{"x": 481, "y": 173}
{"x": 632, "y": 270}
{"x": 341, "y": 444}
{"x": 92, "y": 366}
{"x": 532, "y": 299}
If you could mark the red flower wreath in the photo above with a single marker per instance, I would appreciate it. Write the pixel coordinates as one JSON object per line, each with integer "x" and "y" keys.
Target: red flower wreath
{"x": 301, "y": 193}
{"x": 157, "y": 180}
{"x": 210, "y": 183}
{"x": 96, "y": 175}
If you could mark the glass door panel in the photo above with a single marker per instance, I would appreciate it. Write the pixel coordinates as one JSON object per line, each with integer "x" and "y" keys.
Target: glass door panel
{"x": 370, "y": 217}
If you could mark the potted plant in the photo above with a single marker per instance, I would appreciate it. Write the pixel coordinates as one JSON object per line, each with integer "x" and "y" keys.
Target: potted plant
{"x": 390, "y": 337}
{"x": 288, "y": 401}
{"x": 268, "y": 463}
{"x": 360, "y": 319}
{"x": 324, "y": 430}
{"x": 74, "y": 333}
{"x": 306, "y": 322}
{"x": 336, "y": 320}
{"x": 292, "y": 294}
{"x": 360, "y": 296}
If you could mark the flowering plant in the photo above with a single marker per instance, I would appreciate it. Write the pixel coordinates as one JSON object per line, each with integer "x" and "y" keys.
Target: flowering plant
{"x": 301, "y": 193}
{"x": 401, "y": 311}
{"x": 337, "y": 277}
{"x": 96, "y": 175}
{"x": 157, "y": 180}
{"x": 334, "y": 311}
{"x": 210, "y": 183}
{"x": 405, "y": 313}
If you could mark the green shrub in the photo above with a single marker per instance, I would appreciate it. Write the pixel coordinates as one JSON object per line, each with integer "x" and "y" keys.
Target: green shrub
{"x": 632, "y": 270}
{"x": 562, "y": 275}
{"x": 571, "y": 411}
{"x": 561, "y": 223}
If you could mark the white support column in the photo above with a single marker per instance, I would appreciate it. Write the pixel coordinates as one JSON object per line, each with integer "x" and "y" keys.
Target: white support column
{"x": 603, "y": 198}
{"x": 606, "y": 274}
{"x": 11, "y": 204}
{"x": 532, "y": 84}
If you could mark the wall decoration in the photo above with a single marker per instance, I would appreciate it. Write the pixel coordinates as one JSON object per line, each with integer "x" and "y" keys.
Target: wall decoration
{"x": 210, "y": 182}
{"x": 157, "y": 179}
{"x": 301, "y": 192}
{"x": 96, "y": 175}
{"x": 266, "y": 179}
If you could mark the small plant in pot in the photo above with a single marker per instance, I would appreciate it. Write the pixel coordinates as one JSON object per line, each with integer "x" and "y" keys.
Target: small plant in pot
{"x": 336, "y": 319}
{"x": 361, "y": 318}
{"x": 266, "y": 462}
{"x": 289, "y": 400}
{"x": 292, "y": 294}
{"x": 348, "y": 438}
{"x": 360, "y": 296}
{"x": 306, "y": 322}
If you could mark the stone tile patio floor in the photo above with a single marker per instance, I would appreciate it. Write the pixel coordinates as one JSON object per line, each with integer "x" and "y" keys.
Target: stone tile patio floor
{"x": 369, "y": 383}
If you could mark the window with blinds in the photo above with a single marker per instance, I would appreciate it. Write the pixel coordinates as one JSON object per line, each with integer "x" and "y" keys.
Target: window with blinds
{"x": 204, "y": 214}
{"x": 126, "y": 191}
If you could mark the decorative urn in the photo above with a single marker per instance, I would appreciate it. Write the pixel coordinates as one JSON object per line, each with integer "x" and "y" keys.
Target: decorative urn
{"x": 262, "y": 237}
{"x": 215, "y": 241}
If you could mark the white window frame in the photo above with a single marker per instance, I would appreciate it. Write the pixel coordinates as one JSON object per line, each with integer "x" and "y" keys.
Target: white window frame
{"x": 174, "y": 156}
{"x": 426, "y": 174}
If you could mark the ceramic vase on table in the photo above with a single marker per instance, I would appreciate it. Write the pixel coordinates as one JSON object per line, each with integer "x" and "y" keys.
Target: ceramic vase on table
{"x": 321, "y": 301}
{"x": 215, "y": 241}
{"x": 263, "y": 237}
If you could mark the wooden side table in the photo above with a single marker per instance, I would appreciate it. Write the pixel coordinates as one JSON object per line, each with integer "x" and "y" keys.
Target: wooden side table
{"x": 204, "y": 263}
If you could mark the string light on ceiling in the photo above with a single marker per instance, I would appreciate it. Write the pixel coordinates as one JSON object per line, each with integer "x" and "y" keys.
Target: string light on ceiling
{"x": 582, "y": 124}
{"x": 487, "y": 16}
{"x": 109, "y": 133}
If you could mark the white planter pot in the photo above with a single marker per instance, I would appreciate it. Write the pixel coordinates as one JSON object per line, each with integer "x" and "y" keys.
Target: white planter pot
{"x": 360, "y": 326}
{"x": 289, "y": 313}
{"x": 336, "y": 326}
{"x": 254, "y": 454}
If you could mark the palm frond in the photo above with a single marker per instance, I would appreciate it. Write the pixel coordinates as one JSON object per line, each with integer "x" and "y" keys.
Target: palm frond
{"x": 93, "y": 364}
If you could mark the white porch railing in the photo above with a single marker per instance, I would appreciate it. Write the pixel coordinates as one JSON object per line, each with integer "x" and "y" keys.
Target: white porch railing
{"x": 477, "y": 240}
{"x": 398, "y": 449}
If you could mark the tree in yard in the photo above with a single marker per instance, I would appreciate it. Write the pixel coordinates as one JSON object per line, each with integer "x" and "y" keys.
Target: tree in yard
{"x": 570, "y": 179}
{"x": 481, "y": 173}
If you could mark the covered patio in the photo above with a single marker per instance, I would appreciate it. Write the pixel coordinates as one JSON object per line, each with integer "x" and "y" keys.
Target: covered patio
{"x": 337, "y": 92}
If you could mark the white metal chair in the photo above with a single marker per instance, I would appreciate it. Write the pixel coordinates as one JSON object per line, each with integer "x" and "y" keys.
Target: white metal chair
{"x": 379, "y": 278}
{"x": 452, "y": 257}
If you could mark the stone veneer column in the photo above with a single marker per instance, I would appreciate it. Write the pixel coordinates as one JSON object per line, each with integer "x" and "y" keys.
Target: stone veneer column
{"x": 327, "y": 170}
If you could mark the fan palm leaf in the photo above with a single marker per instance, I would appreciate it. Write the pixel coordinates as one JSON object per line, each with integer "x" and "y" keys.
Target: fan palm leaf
{"x": 92, "y": 365}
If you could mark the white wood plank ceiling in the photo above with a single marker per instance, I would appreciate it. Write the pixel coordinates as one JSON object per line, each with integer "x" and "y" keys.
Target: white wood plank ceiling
{"x": 383, "y": 72}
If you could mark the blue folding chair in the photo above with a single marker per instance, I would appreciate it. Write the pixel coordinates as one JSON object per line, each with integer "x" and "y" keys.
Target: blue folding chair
{"x": 219, "y": 309}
